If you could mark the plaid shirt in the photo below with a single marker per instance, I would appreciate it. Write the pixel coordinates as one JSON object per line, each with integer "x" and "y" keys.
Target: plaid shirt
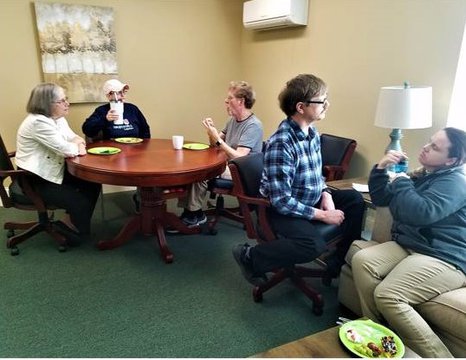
{"x": 292, "y": 177}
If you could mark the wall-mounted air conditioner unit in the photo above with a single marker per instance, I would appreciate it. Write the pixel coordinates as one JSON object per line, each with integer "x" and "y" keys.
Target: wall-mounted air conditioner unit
{"x": 272, "y": 14}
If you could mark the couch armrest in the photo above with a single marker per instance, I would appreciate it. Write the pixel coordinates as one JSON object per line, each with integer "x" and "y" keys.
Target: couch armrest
{"x": 382, "y": 225}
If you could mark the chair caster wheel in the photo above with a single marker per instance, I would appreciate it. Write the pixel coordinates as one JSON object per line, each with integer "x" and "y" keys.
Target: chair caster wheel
{"x": 10, "y": 233}
{"x": 14, "y": 251}
{"x": 327, "y": 280}
{"x": 257, "y": 294}
{"x": 317, "y": 310}
{"x": 62, "y": 248}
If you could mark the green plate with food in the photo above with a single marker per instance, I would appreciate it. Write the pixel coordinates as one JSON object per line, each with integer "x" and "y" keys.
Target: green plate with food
{"x": 195, "y": 146}
{"x": 368, "y": 339}
{"x": 128, "y": 140}
{"x": 103, "y": 150}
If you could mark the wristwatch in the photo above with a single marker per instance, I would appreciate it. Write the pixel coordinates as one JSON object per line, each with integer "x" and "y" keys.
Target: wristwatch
{"x": 218, "y": 143}
{"x": 327, "y": 190}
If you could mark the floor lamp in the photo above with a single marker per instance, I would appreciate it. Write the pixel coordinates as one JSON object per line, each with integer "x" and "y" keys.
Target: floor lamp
{"x": 403, "y": 107}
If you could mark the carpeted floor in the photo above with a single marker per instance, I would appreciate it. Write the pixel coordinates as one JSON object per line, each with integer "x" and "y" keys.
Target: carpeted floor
{"x": 127, "y": 302}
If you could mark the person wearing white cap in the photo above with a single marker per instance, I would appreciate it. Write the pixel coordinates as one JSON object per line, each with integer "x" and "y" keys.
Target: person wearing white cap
{"x": 103, "y": 121}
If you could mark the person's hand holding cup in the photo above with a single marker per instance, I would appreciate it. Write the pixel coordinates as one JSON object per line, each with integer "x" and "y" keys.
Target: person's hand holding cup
{"x": 177, "y": 141}
{"x": 116, "y": 108}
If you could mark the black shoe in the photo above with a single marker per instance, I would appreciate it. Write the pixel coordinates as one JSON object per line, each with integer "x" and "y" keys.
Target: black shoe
{"x": 239, "y": 253}
{"x": 137, "y": 203}
{"x": 73, "y": 238}
{"x": 193, "y": 218}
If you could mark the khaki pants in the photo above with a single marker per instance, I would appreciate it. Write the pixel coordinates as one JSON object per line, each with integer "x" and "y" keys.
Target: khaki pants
{"x": 391, "y": 281}
{"x": 197, "y": 193}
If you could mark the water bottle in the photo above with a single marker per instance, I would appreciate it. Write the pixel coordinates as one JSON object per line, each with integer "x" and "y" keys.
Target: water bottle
{"x": 402, "y": 166}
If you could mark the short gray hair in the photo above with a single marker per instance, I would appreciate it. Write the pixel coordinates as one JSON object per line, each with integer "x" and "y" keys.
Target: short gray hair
{"x": 242, "y": 90}
{"x": 42, "y": 98}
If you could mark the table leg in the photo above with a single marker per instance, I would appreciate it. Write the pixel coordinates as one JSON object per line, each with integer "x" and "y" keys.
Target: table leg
{"x": 151, "y": 221}
{"x": 128, "y": 231}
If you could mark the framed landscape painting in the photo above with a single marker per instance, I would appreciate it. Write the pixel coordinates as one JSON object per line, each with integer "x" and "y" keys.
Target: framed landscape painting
{"x": 78, "y": 48}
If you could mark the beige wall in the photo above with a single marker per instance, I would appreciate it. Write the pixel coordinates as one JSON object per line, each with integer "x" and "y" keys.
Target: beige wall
{"x": 178, "y": 56}
{"x": 357, "y": 46}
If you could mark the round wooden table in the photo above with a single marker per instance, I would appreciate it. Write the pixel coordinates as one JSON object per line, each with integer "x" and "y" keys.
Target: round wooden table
{"x": 155, "y": 167}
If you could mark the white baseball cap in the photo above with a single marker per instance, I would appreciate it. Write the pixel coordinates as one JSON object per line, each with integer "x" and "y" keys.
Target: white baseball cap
{"x": 114, "y": 85}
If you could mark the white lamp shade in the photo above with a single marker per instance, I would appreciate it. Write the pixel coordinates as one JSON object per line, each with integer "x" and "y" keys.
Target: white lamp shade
{"x": 404, "y": 107}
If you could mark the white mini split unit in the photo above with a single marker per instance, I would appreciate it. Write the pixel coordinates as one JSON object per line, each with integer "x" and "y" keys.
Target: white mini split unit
{"x": 273, "y": 14}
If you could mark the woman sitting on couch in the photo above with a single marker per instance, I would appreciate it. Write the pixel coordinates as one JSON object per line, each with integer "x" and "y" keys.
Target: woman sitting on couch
{"x": 427, "y": 256}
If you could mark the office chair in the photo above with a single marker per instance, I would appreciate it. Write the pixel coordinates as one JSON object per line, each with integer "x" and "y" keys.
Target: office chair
{"x": 246, "y": 173}
{"x": 219, "y": 187}
{"x": 22, "y": 196}
{"x": 336, "y": 152}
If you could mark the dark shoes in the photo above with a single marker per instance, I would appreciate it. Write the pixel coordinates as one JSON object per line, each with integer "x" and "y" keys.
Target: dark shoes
{"x": 137, "y": 202}
{"x": 193, "y": 218}
{"x": 73, "y": 238}
{"x": 239, "y": 253}
{"x": 190, "y": 219}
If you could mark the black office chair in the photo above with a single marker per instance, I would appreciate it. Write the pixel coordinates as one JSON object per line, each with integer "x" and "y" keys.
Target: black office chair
{"x": 218, "y": 188}
{"x": 336, "y": 152}
{"x": 22, "y": 196}
{"x": 246, "y": 173}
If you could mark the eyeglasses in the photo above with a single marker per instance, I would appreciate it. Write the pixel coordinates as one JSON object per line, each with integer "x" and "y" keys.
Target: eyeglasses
{"x": 61, "y": 101}
{"x": 317, "y": 101}
{"x": 121, "y": 93}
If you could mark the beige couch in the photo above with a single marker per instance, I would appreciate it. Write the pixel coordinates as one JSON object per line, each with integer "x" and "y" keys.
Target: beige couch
{"x": 445, "y": 313}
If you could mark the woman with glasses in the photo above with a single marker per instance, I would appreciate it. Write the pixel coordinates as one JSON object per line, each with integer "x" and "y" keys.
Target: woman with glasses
{"x": 427, "y": 256}
{"x": 105, "y": 123}
{"x": 43, "y": 141}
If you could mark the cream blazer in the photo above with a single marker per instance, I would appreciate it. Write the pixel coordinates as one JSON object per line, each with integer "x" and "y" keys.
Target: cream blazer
{"x": 42, "y": 144}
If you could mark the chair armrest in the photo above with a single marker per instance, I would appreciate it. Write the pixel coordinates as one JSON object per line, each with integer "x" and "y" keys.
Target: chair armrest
{"x": 382, "y": 225}
{"x": 333, "y": 172}
{"x": 253, "y": 200}
{"x": 12, "y": 173}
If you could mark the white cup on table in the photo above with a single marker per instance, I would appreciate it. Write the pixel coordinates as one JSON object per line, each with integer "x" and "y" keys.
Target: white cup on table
{"x": 118, "y": 107}
{"x": 177, "y": 141}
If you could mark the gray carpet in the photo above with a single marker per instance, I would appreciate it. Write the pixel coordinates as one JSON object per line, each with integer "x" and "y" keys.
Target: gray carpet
{"x": 127, "y": 302}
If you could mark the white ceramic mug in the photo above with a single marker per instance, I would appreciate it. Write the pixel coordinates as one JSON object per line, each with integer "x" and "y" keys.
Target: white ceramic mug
{"x": 177, "y": 141}
{"x": 118, "y": 107}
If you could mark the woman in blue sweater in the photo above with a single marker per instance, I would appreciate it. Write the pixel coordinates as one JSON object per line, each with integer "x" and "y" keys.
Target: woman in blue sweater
{"x": 427, "y": 256}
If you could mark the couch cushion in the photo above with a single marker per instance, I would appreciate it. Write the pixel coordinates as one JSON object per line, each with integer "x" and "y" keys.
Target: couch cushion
{"x": 447, "y": 312}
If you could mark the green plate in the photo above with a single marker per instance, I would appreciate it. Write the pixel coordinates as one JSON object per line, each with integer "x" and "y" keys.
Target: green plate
{"x": 370, "y": 332}
{"x": 104, "y": 150}
{"x": 128, "y": 140}
{"x": 196, "y": 146}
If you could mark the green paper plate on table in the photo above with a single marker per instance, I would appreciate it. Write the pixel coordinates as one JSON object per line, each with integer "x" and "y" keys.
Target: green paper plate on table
{"x": 128, "y": 140}
{"x": 195, "y": 146}
{"x": 104, "y": 150}
{"x": 369, "y": 332}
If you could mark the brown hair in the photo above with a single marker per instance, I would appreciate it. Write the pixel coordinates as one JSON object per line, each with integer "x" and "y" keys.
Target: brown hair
{"x": 243, "y": 90}
{"x": 457, "y": 149}
{"x": 301, "y": 88}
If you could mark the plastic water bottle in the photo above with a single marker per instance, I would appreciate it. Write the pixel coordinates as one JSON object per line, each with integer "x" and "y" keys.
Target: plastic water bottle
{"x": 402, "y": 166}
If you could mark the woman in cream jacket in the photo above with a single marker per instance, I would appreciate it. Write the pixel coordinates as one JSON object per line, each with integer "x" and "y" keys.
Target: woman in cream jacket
{"x": 43, "y": 141}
